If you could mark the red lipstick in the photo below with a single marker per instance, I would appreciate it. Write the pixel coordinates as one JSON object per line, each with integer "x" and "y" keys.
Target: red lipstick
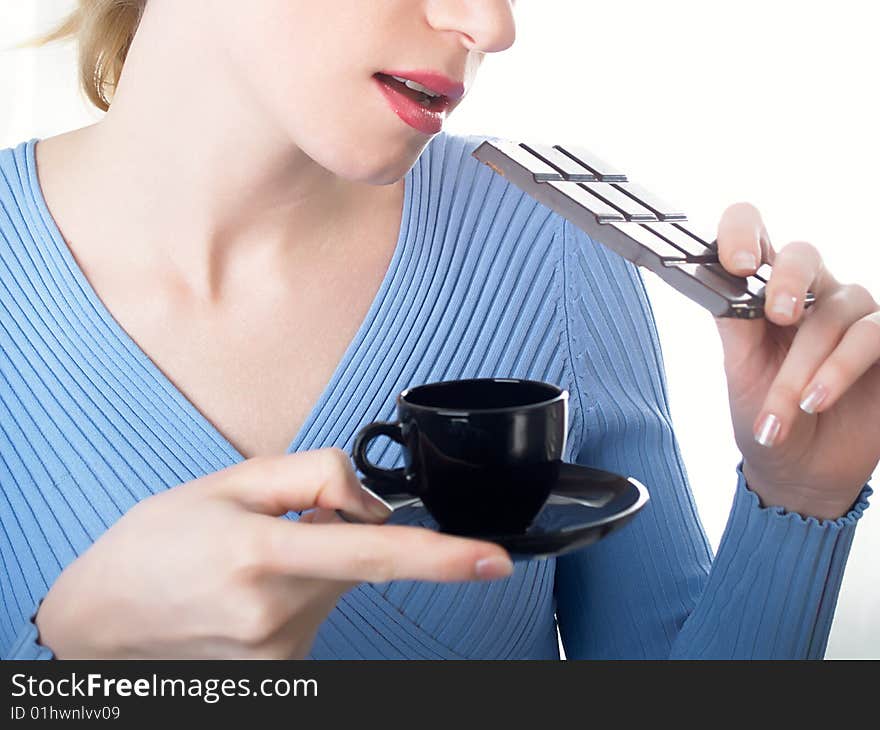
{"x": 423, "y": 111}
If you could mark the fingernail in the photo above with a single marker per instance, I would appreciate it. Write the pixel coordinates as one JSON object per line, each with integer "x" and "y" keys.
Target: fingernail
{"x": 495, "y": 567}
{"x": 814, "y": 398}
{"x": 768, "y": 431}
{"x": 380, "y": 510}
{"x": 783, "y": 305}
{"x": 745, "y": 260}
{"x": 375, "y": 504}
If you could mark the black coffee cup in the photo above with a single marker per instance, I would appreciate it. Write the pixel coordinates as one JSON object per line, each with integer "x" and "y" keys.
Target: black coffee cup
{"x": 482, "y": 454}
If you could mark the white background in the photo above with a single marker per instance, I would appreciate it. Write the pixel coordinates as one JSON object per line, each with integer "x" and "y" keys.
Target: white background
{"x": 704, "y": 103}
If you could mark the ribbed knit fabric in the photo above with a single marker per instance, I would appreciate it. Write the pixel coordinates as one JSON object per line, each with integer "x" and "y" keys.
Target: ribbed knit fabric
{"x": 483, "y": 282}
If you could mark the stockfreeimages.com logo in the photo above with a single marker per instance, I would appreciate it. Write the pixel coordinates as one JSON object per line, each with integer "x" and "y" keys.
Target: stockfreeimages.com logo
{"x": 209, "y": 690}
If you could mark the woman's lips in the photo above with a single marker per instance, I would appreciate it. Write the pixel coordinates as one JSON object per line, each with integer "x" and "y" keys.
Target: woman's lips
{"x": 427, "y": 119}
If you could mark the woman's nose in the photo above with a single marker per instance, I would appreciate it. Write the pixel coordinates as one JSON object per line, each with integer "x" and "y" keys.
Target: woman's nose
{"x": 486, "y": 26}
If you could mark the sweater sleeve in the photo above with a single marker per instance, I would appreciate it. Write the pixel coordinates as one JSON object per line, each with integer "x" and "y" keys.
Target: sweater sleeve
{"x": 26, "y": 644}
{"x": 653, "y": 589}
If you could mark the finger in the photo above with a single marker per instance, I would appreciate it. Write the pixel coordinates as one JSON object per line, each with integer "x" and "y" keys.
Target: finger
{"x": 858, "y": 351}
{"x": 307, "y": 517}
{"x": 274, "y": 485}
{"x": 320, "y": 516}
{"x": 743, "y": 241}
{"x": 798, "y": 269}
{"x": 836, "y": 319}
{"x": 378, "y": 553}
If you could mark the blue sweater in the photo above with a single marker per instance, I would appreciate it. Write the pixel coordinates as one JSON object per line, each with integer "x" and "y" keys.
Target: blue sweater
{"x": 484, "y": 281}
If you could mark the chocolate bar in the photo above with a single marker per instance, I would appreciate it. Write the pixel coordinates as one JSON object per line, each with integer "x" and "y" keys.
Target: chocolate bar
{"x": 629, "y": 220}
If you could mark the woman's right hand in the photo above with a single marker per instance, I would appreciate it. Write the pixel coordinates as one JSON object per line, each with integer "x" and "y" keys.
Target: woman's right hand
{"x": 208, "y": 570}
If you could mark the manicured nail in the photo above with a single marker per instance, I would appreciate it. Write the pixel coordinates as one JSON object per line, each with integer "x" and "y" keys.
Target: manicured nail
{"x": 380, "y": 510}
{"x": 495, "y": 567}
{"x": 783, "y": 304}
{"x": 745, "y": 260}
{"x": 768, "y": 431}
{"x": 377, "y": 506}
{"x": 814, "y": 398}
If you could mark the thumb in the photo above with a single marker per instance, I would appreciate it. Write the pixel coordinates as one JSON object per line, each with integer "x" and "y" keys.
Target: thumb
{"x": 739, "y": 339}
{"x": 274, "y": 485}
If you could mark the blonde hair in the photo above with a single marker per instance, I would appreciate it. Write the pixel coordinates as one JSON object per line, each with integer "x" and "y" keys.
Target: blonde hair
{"x": 103, "y": 30}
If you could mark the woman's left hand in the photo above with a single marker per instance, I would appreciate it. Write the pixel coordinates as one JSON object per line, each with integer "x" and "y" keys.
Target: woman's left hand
{"x": 815, "y": 461}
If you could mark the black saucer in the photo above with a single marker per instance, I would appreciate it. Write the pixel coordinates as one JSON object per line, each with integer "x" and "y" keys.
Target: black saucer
{"x": 585, "y": 505}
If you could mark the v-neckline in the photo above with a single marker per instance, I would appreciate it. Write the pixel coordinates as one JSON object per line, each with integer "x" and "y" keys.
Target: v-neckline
{"x": 412, "y": 182}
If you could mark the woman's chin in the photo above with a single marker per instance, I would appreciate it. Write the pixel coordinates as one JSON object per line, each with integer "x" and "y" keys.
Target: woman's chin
{"x": 384, "y": 165}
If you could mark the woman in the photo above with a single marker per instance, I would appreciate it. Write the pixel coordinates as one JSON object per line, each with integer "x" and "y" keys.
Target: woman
{"x": 254, "y": 246}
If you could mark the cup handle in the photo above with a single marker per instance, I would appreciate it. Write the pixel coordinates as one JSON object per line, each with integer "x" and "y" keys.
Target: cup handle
{"x": 384, "y": 482}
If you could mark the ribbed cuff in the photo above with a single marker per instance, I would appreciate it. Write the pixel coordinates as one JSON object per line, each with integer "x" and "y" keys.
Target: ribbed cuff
{"x": 27, "y": 644}
{"x": 774, "y": 583}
